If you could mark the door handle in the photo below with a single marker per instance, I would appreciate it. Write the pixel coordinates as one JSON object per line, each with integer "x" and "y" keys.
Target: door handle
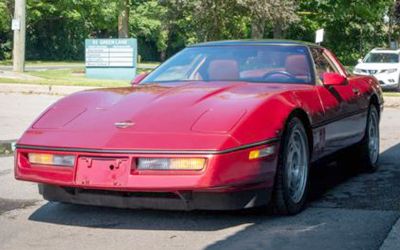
{"x": 356, "y": 91}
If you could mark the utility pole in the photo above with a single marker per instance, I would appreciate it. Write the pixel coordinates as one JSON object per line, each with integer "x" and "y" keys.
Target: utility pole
{"x": 19, "y": 27}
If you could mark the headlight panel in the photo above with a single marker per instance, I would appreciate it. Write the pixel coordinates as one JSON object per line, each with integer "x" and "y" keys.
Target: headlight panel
{"x": 389, "y": 71}
{"x": 52, "y": 159}
{"x": 195, "y": 164}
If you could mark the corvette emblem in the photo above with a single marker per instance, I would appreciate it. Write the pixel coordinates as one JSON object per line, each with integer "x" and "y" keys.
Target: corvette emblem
{"x": 124, "y": 124}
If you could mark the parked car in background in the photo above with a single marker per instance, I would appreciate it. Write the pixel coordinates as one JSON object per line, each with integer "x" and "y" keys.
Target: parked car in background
{"x": 220, "y": 125}
{"x": 384, "y": 64}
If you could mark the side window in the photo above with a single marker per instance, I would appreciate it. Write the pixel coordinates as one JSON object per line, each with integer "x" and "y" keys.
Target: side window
{"x": 322, "y": 63}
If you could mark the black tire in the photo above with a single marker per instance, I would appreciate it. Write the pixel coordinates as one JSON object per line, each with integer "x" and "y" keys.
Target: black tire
{"x": 369, "y": 162}
{"x": 282, "y": 202}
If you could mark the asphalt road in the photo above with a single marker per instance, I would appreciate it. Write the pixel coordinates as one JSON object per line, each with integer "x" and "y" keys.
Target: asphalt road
{"x": 347, "y": 209}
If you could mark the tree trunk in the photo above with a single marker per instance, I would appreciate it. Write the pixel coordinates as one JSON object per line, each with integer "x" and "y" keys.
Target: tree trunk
{"x": 257, "y": 29}
{"x": 278, "y": 31}
{"x": 163, "y": 55}
{"x": 123, "y": 19}
{"x": 390, "y": 30}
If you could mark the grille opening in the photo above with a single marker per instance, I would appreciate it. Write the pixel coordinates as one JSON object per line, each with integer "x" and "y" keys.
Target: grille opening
{"x": 165, "y": 195}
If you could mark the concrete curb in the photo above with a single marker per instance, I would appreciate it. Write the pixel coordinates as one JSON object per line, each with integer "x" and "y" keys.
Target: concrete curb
{"x": 41, "y": 89}
{"x": 392, "y": 102}
{"x": 7, "y": 147}
{"x": 392, "y": 242}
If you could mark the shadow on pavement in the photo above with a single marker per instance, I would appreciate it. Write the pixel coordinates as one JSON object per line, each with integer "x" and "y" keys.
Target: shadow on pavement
{"x": 335, "y": 188}
{"x": 376, "y": 191}
{"x": 102, "y": 217}
{"x": 345, "y": 211}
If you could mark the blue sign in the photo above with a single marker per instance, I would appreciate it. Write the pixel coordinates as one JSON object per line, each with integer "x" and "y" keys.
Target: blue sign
{"x": 111, "y": 58}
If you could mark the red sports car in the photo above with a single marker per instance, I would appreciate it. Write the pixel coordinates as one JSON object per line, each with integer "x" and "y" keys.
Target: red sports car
{"x": 220, "y": 125}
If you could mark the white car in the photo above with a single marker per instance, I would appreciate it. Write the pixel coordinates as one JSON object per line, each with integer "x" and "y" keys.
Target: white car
{"x": 384, "y": 64}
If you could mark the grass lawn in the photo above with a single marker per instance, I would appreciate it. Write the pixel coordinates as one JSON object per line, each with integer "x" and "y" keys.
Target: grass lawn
{"x": 70, "y": 76}
{"x": 391, "y": 94}
{"x": 71, "y": 63}
{"x": 45, "y": 63}
{"x": 64, "y": 77}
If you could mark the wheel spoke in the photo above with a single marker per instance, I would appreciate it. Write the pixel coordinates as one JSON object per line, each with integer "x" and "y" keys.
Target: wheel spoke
{"x": 373, "y": 136}
{"x": 296, "y": 164}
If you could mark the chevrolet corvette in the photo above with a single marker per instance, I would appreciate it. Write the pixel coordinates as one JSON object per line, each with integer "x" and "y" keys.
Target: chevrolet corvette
{"x": 219, "y": 126}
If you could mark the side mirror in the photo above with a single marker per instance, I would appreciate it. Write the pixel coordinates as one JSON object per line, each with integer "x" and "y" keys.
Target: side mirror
{"x": 139, "y": 78}
{"x": 333, "y": 79}
{"x": 360, "y": 60}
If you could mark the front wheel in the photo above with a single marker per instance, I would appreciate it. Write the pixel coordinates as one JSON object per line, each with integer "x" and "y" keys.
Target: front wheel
{"x": 369, "y": 148}
{"x": 291, "y": 184}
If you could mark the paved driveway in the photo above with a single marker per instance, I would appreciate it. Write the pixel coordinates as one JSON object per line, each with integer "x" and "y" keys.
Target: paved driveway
{"x": 347, "y": 209}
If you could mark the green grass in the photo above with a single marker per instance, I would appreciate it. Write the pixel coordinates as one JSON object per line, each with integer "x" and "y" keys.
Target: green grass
{"x": 6, "y": 62}
{"x": 69, "y": 63}
{"x": 46, "y": 63}
{"x": 148, "y": 64}
{"x": 391, "y": 94}
{"x": 70, "y": 77}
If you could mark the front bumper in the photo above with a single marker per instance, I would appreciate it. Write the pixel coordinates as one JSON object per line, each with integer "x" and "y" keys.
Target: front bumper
{"x": 387, "y": 81}
{"x": 182, "y": 200}
{"x": 229, "y": 181}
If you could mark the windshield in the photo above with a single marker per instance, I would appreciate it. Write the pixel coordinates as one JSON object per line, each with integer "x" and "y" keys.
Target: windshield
{"x": 265, "y": 63}
{"x": 382, "y": 58}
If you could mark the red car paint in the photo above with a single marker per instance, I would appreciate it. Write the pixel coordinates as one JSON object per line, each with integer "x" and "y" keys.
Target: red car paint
{"x": 221, "y": 121}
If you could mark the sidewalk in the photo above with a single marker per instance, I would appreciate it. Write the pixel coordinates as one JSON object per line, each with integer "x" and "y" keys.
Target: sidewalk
{"x": 392, "y": 242}
{"x": 41, "y": 89}
{"x": 21, "y": 105}
{"x": 17, "y": 112}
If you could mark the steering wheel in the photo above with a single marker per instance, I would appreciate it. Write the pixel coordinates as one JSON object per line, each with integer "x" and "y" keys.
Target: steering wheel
{"x": 280, "y": 72}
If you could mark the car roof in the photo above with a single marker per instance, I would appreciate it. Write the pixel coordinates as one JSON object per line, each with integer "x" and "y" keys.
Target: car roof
{"x": 383, "y": 50}
{"x": 253, "y": 42}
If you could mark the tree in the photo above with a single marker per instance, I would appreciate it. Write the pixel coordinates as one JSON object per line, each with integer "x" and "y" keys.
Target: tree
{"x": 123, "y": 19}
{"x": 278, "y": 13}
{"x": 352, "y": 28}
{"x": 146, "y": 22}
{"x": 393, "y": 21}
{"x": 6, "y": 11}
{"x": 58, "y": 29}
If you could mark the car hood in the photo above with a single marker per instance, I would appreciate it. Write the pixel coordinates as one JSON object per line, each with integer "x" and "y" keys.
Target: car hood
{"x": 193, "y": 115}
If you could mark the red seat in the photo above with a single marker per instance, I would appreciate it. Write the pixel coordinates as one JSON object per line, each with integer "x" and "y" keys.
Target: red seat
{"x": 298, "y": 66}
{"x": 223, "y": 70}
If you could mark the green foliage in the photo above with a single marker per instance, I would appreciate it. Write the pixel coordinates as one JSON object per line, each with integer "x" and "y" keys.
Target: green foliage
{"x": 5, "y": 29}
{"x": 146, "y": 24}
{"x": 56, "y": 29}
{"x": 352, "y": 28}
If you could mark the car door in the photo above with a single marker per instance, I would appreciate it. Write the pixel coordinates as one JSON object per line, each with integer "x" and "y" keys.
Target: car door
{"x": 341, "y": 125}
